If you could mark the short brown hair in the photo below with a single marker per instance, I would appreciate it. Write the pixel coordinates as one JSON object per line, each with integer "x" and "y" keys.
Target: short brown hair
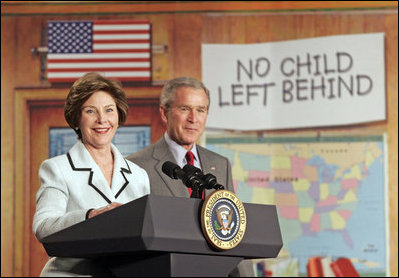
{"x": 82, "y": 90}
{"x": 168, "y": 93}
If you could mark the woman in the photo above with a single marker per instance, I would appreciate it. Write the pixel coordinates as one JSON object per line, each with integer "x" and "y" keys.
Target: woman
{"x": 93, "y": 177}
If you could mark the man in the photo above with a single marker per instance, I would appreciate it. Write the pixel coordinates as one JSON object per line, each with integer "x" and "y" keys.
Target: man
{"x": 184, "y": 104}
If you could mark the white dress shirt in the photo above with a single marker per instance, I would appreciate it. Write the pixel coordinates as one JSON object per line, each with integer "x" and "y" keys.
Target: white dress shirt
{"x": 179, "y": 153}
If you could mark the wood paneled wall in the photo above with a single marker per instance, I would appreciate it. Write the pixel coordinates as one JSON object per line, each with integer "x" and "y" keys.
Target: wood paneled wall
{"x": 182, "y": 27}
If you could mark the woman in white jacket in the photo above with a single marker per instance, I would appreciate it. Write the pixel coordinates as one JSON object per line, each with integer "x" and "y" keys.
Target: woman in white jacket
{"x": 93, "y": 177}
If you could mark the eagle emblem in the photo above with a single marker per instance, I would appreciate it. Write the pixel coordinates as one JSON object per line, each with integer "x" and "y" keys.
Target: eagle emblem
{"x": 224, "y": 217}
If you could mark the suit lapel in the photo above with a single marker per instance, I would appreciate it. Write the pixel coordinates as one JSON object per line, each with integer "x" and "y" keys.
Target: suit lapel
{"x": 80, "y": 160}
{"x": 122, "y": 174}
{"x": 206, "y": 164}
{"x": 162, "y": 154}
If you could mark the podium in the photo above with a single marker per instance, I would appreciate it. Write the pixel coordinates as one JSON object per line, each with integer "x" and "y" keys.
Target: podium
{"x": 162, "y": 236}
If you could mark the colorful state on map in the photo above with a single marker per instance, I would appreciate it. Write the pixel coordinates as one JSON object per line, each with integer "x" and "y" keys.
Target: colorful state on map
{"x": 323, "y": 191}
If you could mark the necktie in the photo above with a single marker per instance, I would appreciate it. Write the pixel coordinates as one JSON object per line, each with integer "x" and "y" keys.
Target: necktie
{"x": 190, "y": 160}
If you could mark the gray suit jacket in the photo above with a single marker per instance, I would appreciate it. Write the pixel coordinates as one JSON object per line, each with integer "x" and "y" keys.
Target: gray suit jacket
{"x": 153, "y": 157}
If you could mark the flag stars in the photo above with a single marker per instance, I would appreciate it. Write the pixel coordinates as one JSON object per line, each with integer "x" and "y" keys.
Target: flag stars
{"x": 74, "y": 37}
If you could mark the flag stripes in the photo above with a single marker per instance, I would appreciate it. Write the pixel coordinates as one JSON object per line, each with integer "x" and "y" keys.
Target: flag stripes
{"x": 118, "y": 49}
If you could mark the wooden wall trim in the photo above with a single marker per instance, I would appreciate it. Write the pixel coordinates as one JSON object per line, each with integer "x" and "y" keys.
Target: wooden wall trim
{"x": 22, "y": 158}
{"x": 138, "y": 7}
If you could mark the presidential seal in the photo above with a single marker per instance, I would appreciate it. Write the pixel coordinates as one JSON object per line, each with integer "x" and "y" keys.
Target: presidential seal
{"x": 223, "y": 219}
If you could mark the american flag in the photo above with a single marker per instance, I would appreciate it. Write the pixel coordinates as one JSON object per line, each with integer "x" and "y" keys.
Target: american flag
{"x": 119, "y": 49}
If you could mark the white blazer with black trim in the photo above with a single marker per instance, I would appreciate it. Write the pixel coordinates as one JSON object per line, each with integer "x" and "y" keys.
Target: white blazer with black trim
{"x": 73, "y": 183}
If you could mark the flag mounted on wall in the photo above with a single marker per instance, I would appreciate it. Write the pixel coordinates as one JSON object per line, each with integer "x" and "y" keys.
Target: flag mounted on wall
{"x": 118, "y": 49}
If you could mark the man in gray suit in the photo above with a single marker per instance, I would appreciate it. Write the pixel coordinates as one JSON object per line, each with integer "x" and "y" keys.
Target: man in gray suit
{"x": 184, "y": 104}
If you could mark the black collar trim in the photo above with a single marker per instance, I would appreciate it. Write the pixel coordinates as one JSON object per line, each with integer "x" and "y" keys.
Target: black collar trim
{"x": 123, "y": 171}
{"x": 90, "y": 177}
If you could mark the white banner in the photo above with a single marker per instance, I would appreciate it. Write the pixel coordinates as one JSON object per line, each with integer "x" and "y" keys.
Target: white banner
{"x": 326, "y": 81}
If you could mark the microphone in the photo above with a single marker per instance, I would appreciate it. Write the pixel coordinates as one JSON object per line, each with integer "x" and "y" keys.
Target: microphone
{"x": 189, "y": 179}
{"x": 209, "y": 180}
{"x": 173, "y": 170}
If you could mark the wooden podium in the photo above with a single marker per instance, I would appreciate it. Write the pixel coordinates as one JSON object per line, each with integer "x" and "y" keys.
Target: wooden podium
{"x": 161, "y": 236}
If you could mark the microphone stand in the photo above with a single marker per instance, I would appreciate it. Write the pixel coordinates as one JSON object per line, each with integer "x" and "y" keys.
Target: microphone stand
{"x": 195, "y": 183}
{"x": 196, "y": 193}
